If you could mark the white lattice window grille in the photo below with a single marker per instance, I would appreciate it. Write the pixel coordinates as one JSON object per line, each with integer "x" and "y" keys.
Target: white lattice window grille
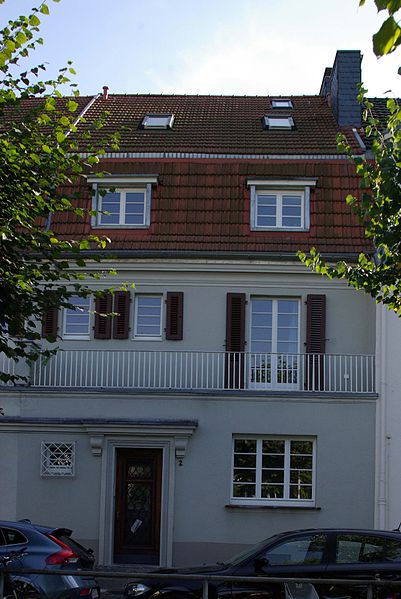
{"x": 57, "y": 459}
{"x": 273, "y": 470}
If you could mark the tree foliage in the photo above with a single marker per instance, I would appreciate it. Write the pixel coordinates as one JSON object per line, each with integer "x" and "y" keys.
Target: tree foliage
{"x": 40, "y": 161}
{"x": 379, "y": 204}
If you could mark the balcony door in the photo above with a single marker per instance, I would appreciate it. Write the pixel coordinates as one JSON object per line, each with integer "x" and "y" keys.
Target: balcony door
{"x": 137, "y": 506}
{"x": 274, "y": 343}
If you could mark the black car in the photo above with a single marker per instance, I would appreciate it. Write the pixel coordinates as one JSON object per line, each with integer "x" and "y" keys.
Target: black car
{"x": 45, "y": 547}
{"x": 316, "y": 553}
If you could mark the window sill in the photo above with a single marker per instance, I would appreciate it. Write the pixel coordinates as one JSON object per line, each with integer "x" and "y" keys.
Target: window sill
{"x": 243, "y": 506}
{"x": 288, "y": 229}
{"x": 141, "y": 227}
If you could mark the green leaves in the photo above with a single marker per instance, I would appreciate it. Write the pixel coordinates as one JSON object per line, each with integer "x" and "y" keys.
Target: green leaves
{"x": 388, "y": 38}
{"x": 40, "y": 267}
{"x": 378, "y": 207}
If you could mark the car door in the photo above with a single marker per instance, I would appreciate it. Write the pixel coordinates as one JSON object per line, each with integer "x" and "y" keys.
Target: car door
{"x": 363, "y": 556}
{"x": 297, "y": 556}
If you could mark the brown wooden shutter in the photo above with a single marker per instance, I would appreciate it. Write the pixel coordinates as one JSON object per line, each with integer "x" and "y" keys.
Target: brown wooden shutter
{"x": 235, "y": 340}
{"x": 315, "y": 342}
{"x": 121, "y": 320}
{"x": 316, "y": 324}
{"x": 174, "y": 315}
{"x": 103, "y": 305}
{"x": 50, "y": 323}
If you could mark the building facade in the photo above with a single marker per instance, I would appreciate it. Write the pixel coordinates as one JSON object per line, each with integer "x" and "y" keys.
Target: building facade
{"x": 233, "y": 395}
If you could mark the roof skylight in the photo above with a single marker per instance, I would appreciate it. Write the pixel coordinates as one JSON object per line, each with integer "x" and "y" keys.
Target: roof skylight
{"x": 278, "y": 122}
{"x": 158, "y": 121}
{"x": 282, "y": 103}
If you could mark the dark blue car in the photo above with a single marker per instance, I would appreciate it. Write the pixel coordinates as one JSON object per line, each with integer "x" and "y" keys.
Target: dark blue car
{"x": 348, "y": 554}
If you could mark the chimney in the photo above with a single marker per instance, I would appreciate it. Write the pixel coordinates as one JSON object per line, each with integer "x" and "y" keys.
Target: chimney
{"x": 340, "y": 86}
{"x": 105, "y": 92}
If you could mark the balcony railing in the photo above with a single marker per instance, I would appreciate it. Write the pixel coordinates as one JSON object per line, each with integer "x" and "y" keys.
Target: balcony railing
{"x": 203, "y": 371}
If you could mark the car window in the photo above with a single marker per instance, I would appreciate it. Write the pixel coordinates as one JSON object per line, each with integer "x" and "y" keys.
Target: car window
{"x": 305, "y": 550}
{"x": 13, "y": 537}
{"x": 359, "y": 548}
{"x": 392, "y": 552}
{"x": 74, "y": 545}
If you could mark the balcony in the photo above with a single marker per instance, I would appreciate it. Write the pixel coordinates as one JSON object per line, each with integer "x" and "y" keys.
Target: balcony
{"x": 202, "y": 371}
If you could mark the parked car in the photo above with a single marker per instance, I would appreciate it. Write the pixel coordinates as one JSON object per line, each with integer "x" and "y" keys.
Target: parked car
{"x": 45, "y": 547}
{"x": 350, "y": 554}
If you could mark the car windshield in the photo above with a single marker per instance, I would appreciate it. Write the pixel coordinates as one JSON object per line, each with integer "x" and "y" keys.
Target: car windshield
{"x": 244, "y": 555}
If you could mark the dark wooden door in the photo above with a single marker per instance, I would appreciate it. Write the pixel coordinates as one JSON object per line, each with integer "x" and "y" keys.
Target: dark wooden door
{"x": 138, "y": 502}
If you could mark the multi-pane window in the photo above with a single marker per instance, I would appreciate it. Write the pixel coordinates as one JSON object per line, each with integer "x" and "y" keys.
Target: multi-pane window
{"x": 57, "y": 459}
{"x": 148, "y": 316}
{"x": 76, "y": 322}
{"x": 279, "y": 209}
{"x": 273, "y": 470}
{"x": 274, "y": 341}
{"x": 280, "y": 204}
{"x": 124, "y": 207}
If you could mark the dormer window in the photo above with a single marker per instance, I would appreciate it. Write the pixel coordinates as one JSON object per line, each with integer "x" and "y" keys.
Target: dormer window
{"x": 280, "y": 204}
{"x": 278, "y": 122}
{"x": 158, "y": 121}
{"x": 122, "y": 201}
{"x": 282, "y": 103}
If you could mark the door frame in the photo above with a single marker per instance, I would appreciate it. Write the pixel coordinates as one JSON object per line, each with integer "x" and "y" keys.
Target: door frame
{"x": 107, "y": 493}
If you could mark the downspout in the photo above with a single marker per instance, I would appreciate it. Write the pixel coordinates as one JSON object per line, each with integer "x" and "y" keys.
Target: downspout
{"x": 75, "y": 123}
{"x": 382, "y": 438}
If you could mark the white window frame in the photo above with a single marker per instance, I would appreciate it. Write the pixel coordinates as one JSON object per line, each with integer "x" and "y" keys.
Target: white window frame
{"x": 121, "y": 184}
{"x": 85, "y": 336}
{"x": 47, "y": 469}
{"x": 280, "y": 188}
{"x": 282, "y": 103}
{"x": 138, "y": 336}
{"x": 158, "y": 121}
{"x": 279, "y": 122}
{"x": 286, "y": 501}
{"x": 274, "y": 355}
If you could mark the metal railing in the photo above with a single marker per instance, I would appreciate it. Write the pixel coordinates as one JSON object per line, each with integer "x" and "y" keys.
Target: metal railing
{"x": 371, "y": 584}
{"x": 205, "y": 371}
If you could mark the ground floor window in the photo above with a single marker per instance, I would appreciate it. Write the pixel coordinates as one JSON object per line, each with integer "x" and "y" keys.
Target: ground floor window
{"x": 58, "y": 459}
{"x": 273, "y": 470}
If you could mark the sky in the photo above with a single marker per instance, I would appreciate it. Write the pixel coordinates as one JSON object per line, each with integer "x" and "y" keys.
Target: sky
{"x": 234, "y": 47}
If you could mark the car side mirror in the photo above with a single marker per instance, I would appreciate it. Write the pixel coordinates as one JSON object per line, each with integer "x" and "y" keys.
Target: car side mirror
{"x": 260, "y": 564}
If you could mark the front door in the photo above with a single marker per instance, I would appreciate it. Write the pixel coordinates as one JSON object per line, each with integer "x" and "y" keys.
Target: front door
{"x": 137, "y": 506}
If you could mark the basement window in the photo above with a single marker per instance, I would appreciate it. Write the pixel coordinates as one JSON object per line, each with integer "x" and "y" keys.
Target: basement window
{"x": 158, "y": 121}
{"x": 278, "y": 122}
{"x": 282, "y": 103}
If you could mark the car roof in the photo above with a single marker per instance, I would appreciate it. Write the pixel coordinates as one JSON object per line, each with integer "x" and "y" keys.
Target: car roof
{"x": 365, "y": 531}
{"x": 26, "y": 524}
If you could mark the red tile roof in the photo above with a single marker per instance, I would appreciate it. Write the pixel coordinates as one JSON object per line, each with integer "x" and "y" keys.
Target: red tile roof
{"x": 220, "y": 124}
{"x": 204, "y": 206}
